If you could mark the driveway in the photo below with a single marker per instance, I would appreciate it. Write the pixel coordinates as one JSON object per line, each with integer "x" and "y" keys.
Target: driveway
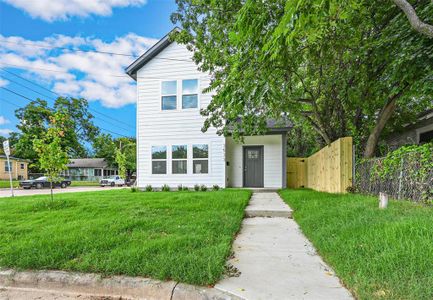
{"x": 21, "y": 192}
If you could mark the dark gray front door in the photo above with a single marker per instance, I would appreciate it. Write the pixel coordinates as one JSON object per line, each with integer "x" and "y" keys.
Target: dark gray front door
{"x": 253, "y": 166}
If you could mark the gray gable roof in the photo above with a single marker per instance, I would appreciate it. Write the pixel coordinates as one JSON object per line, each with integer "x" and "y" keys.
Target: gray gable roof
{"x": 87, "y": 163}
{"x": 132, "y": 69}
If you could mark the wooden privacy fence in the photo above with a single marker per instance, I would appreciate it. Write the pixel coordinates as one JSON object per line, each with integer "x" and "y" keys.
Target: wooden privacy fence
{"x": 328, "y": 170}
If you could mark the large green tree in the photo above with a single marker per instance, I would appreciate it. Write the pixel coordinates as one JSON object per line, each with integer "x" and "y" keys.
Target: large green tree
{"x": 114, "y": 150}
{"x": 35, "y": 118}
{"x": 345, "y": 67}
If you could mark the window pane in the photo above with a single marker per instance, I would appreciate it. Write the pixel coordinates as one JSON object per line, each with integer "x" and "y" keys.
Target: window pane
{"x": 189, "y": 101}
{"x": 200, "y": 166}
{"x": 159, "y": 167}
{"x": 159, "y": 152}
{"x": 189, "y": 86}
{"x": 253, "y": 154}
{"x": 168, "y": 102}
{"x": 179, "y": 166}
{"x": 179, "y": 151}
{"x": 200, "y": 151}
{"x": 169, "y": 87}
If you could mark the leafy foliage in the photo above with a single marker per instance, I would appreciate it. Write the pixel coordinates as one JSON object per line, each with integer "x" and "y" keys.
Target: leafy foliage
{"x": 121, "y": 162}
{"x": 107, "y": 147}
{"x": 52, "y": 156}
{"x": 344, "y": 67}
{"x": 35, "y": 119}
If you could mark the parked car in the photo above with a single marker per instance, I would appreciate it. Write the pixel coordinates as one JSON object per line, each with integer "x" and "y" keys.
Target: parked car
{"x": 43, "y": 182}
{"x": 112, "y": 181}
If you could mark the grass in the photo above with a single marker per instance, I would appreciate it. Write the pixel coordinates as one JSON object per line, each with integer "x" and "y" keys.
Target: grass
{"x": 84, "y": 183}
{"x": 378, "y": 254}
{"x": 4, "y": 184}
{"x": 183, "y": 236}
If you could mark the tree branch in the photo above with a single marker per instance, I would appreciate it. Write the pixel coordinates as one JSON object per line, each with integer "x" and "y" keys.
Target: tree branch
{"x": 413, "y": 18}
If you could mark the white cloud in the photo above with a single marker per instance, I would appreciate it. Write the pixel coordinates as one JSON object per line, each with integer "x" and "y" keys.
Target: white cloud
{"x": 3, "y": 120}
{"x": 50, "y": 10}
{"x": 3, "y": 82}
{"x": 5, "y": 132}
{"x": 74, "y": 73}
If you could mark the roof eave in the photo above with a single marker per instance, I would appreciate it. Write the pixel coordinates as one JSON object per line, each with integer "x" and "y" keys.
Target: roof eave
{"x": 132, "y": 69}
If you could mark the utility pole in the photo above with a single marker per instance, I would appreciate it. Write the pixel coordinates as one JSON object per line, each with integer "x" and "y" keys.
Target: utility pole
{"x": 7, "y": 151}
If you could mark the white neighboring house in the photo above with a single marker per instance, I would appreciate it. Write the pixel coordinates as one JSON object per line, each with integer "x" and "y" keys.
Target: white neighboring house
{"x": 172, "y": 149}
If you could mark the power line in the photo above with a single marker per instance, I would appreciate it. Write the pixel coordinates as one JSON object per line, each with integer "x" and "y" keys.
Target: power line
{"x": 103, "y": 120}
{"x": 91, "y": 51}
{"x": 25, "y": 97}
{"x": 24, "y": 86}
{"x": 18, "y": 94}
{"x": 11, "y": 103}
{"x": 91, "y": 109}
{"x": 100, "y": 74}
{"x": 16, "y": 75}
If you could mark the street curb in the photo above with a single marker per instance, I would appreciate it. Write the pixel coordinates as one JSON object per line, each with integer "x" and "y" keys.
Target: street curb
{"x": 113, "y": 286}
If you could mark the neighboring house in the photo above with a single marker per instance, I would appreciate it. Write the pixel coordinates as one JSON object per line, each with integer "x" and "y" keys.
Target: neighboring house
{"x": 172, "y": 149}
{"x": 88, "y": 169}
{"x": 416, "y": 133}
{"x": 18, "y": 166}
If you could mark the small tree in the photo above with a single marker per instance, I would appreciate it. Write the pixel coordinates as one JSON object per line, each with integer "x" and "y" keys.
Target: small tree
{"x": 121, "y": 162}
{"x": 52, "y": 157}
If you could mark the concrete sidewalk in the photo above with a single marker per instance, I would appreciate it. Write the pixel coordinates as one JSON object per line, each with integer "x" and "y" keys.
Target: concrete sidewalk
{"x": 275, "y": 259}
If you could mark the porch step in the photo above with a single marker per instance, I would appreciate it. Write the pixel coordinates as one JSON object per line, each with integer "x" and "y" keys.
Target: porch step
{"x": 268, "y": 205}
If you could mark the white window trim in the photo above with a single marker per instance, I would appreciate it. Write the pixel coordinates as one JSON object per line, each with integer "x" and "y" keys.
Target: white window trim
{"x": 208, "y": 159}
{"x": 168, "y": 95}
{"x": 179, "y": 159}
{"x": 179, "y": 95}
{"x": 182, "y": 94}
{"x": 159, "y": 159}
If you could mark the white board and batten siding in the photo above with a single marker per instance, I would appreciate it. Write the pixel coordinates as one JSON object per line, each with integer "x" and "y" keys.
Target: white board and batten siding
{"x": 272, "y": 160}
{"x": 157, "y": 127}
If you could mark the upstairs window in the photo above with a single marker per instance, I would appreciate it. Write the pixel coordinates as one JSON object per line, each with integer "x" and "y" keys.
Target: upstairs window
{"x": 200, "y": 159}
{"x": 168, "y": 95}
{"x": 179, "y": 159}
{"x": 22, "y": 166}
{"x": 159, "y": 160}
{"x": 189, "y": 93}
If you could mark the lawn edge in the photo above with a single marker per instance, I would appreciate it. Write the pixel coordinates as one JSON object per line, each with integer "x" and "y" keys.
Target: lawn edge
{"x": 318, "y": 252}
{"x": 112, "y": 286}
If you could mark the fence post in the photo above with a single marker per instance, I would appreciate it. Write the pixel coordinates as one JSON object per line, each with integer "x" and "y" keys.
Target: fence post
{"x": 383, "y": 200}
{"x": 400, "y": 178}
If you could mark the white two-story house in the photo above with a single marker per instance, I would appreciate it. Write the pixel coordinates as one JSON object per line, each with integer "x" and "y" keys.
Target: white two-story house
{"x": 172, "y": 149}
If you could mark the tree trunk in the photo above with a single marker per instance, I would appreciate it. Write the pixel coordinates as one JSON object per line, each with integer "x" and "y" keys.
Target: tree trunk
{"x": 382, "y": 119}
{"x": 51, "y": 187}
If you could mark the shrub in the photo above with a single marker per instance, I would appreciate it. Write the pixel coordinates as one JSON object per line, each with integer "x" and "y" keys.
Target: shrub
{"x": 148, "y": 188}
{"x": 196, "y": 187}
{"x": 165, "y": 188}
{"x": 179, "y": 187}
{"x": 185, "y": 188}
{"x": 134, "y": 189}
{"x": 216, "y": 187}
{"x": 203, "y": 188}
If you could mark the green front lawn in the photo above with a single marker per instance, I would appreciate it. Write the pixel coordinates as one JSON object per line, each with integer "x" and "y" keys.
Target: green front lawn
{"x": 378, "y": 254}
{"x": 6, "y": 184}
{"x": 84, "y": 183}
{"x": 184, "y": 236}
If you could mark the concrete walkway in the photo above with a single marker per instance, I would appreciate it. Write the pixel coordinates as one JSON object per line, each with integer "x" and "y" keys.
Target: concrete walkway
{"x": 274, "y": 258}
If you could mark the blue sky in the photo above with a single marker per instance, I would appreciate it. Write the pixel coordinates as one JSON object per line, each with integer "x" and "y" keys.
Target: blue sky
{"x": 31, "y": 33}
